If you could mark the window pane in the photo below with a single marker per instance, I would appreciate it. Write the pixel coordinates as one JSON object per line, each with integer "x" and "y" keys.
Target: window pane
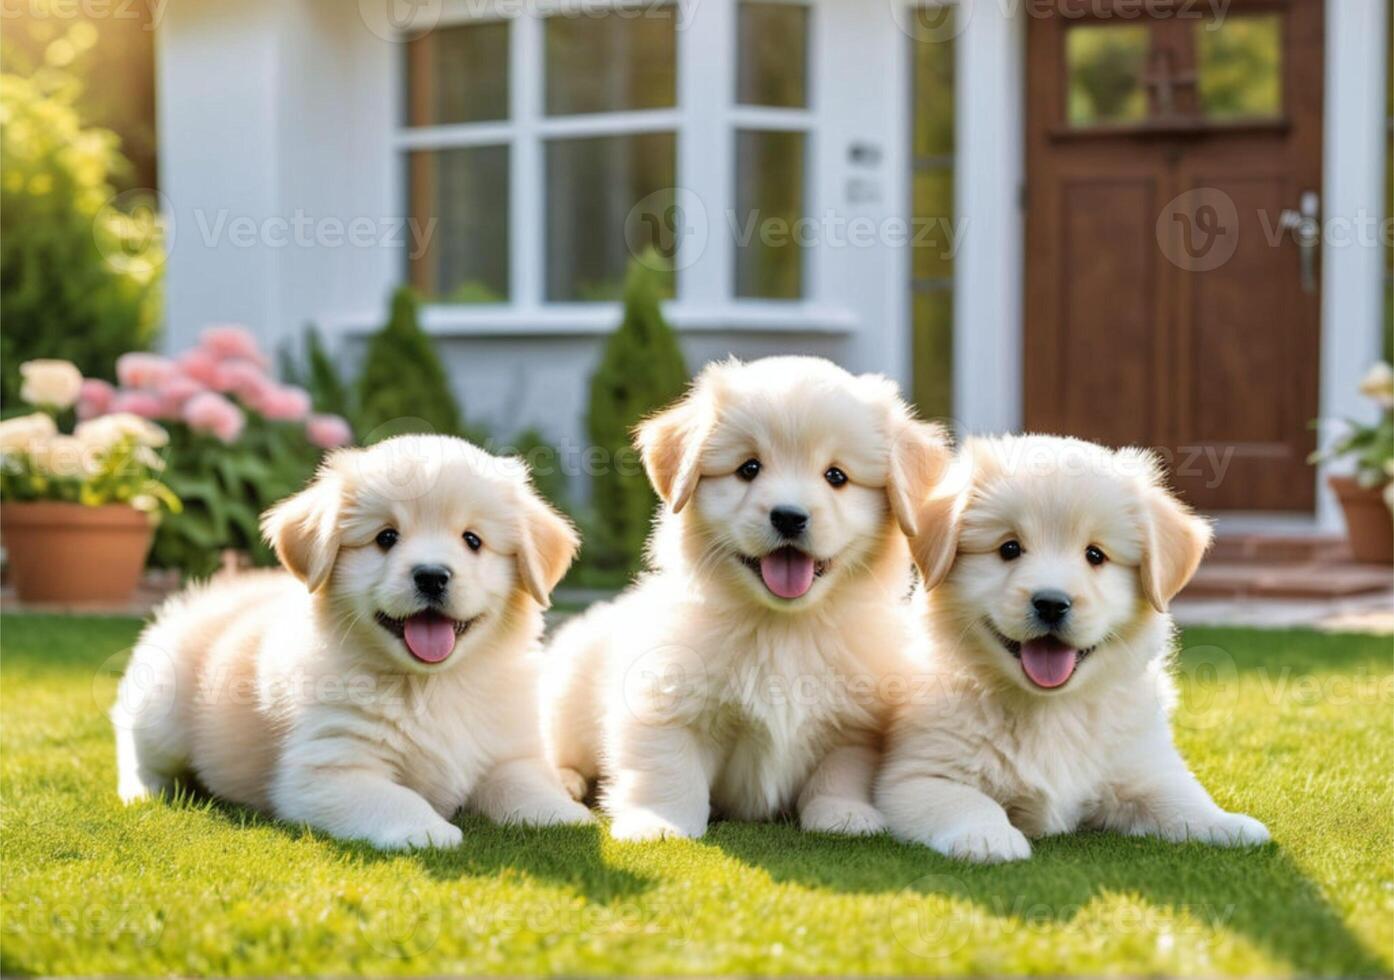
{"x": 1241, "y": 73}
{"x": 459, "y": 204}
{"x": 592, "y": 185}
{"x": 624, "y": 59}
{"x": 932, "y": 313}
{"x": 773, "y": 55}
{"x": 1105, "y": 64}
{"x": 458, "y": 75}
{"x": 931, "y": 241}
{"x": 769, "y": 203}
{"x": 934, "y": 97}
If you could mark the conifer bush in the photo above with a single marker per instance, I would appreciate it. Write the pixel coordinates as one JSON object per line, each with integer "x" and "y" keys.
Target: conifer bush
{"x": 641, "y": 370}
{"x": 403, "y": 379}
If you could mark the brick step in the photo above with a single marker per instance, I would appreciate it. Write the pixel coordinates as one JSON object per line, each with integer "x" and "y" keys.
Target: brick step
{"x": 1287, "y": 580}
{"x": 1277, "y": 547}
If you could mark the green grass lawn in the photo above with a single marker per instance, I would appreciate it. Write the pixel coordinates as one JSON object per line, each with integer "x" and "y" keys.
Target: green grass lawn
{"x": 1292, "y": 727}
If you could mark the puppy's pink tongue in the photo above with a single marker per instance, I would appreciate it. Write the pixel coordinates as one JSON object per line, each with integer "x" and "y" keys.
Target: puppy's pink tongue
{"x": 1047, "y": 661}
{"x": 430, "y": 637}
{"x": 788, "y": 572}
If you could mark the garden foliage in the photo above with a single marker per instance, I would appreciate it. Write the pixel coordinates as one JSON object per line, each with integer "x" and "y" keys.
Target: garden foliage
{"x": 642, "y": 369}
{"x": 80, "y": 268}
{"x": 404, "y": 387}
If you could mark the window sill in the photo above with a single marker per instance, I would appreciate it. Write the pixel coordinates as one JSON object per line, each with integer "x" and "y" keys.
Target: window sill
{"x": 595, "y": 319}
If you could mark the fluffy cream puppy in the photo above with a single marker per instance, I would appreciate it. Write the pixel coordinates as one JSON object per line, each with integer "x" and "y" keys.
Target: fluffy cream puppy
{"x": 749, "y": 672}
{"x": 1051, "y": 563}
{"x": 389, "y": 679}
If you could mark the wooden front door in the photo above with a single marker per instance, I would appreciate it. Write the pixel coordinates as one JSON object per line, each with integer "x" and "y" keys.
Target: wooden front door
{"x": 1172, "y": 263}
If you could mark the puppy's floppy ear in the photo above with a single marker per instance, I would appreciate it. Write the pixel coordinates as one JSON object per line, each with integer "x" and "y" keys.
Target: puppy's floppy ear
{"x": 670, "y": 444}
{"x": 304, "y": 529}
{"x": 919, "y": 456}
{"x": 1174, "y": 540}
{"x": 934, "y": 545}
{"x": 546, "y": 545}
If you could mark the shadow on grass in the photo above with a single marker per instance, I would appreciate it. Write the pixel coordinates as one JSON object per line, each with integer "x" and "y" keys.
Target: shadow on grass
{"x": 1259, "y": 894}
{"x": 567, "y": 856}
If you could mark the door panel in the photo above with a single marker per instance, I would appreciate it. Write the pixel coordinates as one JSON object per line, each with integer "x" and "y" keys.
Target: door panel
{"x": 1165, "y": 304}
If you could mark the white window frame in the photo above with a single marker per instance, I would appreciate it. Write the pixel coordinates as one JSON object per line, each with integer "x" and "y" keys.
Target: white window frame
{"x": 704, "y": 121}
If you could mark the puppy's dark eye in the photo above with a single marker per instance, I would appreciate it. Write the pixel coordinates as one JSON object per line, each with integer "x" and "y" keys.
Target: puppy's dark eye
{"x": 1094, "y": 556}
{"x": 1010, "y": 550}
{"x": 473, "y": 541}
{"x": 835, "y": 476}
{"x": 386, "y": 538}
{"x": 749, "y": 470}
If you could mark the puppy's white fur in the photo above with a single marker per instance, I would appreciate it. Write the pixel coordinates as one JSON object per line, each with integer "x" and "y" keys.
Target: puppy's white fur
{"x": 699, "y": 689}
{"x": 992, "y": 759}
{"x": 284, "y": 692}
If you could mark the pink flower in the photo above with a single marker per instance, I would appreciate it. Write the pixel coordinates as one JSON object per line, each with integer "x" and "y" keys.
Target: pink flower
{"x": 175, "y": 393}
{"x": 140, "y": 370}
{"x": 229, "y": 340}
{"x": 210, "y": 412}
{"x": 146, "y": 404}
{"x": 200, "y": 365}
{"x": 245, "y": 379}
{"x": 94, "y": 398}
{"x": 328, "y": 431}
{"x": 284, "y": 403}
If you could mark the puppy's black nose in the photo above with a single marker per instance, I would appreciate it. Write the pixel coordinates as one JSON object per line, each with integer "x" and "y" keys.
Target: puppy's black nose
{"x": 431, "y": 580}
{"x": 789, "y": 521}
{"x": 1051, "y": 605}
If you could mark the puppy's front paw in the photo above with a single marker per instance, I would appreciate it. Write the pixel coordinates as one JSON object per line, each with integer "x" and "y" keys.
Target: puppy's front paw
{"x": 573, "y": 782}
{"x": 550, "y": 813}
{"x": 640, "y": 825}
{"x": 1232, "y": 830}
{"x": 831, "y": 815}
{"x": 987, "y": 844}
{"x": 440, "y": 834}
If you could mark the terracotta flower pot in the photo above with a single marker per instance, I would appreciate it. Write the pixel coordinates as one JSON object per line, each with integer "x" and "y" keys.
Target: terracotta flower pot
{"x": 68, "y": 553}
{"x": 1369, "y": 524}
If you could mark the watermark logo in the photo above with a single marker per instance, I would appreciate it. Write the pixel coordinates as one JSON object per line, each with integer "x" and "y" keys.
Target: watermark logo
{"x": 134, "y": 231}
{"x": 667, "y": 230}
{"x": 400, "y": 20}
{"x": 1198, "y": 231}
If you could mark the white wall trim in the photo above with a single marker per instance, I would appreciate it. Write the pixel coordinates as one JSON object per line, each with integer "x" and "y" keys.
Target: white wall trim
{"x": 1353, "y": 168}
{"x": 989, "y": 109}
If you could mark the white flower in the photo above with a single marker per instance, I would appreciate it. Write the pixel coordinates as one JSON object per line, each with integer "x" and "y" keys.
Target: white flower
{"x": 50, "y": 384}
{"x": 1378, "y": 384}
{"x": 106, "y": 431}
{"x": 65, "y": 456}
{"x": 18, "y": 435}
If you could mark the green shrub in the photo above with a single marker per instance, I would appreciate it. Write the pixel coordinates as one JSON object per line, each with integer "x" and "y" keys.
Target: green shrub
{"x": 641, "y": 370}
{"x": 403, "y": 379}
{"x": 315, "y": 371}
{"x": 80, "y": 277}
{"x": 225, "y": 488}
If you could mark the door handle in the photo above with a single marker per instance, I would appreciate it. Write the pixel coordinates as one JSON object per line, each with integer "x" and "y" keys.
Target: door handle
{"x": 1306, "y": 232}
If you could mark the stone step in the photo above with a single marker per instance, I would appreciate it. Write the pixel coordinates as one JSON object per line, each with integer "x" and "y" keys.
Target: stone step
{"x": 1279, "y": 547}
{"x": 1287, "y": 579}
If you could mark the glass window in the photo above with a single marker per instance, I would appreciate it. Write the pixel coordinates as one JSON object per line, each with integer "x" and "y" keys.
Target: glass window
{"x": 592, "y": 185}
{"x": 458, "y": 74}
{"x": 459, "y": 203}
{"x": 769, "y": 206}
{"x": 1105, "y": 64}
{"x": 1240, "y": 67}
{"x": 623, "y": 59}
{"x": 772, "y": 58}
{"x": 932, "y": 217}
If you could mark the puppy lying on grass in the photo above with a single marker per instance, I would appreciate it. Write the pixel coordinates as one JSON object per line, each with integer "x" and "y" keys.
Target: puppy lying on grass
{"x": 387, "y": 678}
{"x": 747, "y": 673}
{"x": 1050, "y": 563}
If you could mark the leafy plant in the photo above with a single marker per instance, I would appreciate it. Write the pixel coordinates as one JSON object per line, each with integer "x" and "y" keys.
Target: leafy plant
{"x": 109, "y": 460}
{"x": 404, "y": 386}
{"x": 80, "y": 269}
{"x": 642, "y": 369}
{"x": 317, "y": 374}
{"x": 1370, "y": 447}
